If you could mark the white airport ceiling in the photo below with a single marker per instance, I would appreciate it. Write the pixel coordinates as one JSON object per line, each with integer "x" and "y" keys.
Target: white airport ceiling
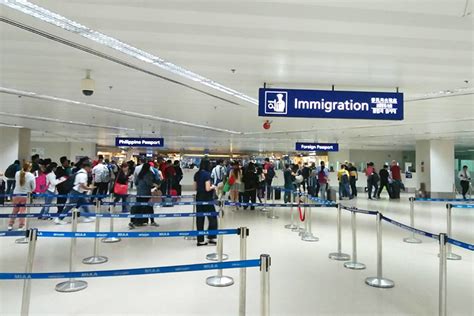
{"x": 421, "y": 47}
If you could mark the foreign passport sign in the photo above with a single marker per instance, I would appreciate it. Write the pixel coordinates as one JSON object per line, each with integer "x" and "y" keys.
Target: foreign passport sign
{"x": 317, "y": 147}
{"x": 330, "y": 104}
{"x": 139, "y": 142}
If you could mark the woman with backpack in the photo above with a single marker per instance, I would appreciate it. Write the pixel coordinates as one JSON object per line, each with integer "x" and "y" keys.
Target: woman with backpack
{"x": 144, "y": 182}
{"x": 25, "y": 183}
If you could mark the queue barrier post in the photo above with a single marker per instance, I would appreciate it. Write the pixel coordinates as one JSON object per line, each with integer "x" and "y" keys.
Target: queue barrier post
{"x": 292, "y": 214}
{"x": 354, "y": 264}
{"x": 412, "y": 239}
{"x": 244, "y": 232}
{"x": 297, "y": 229}
{"x": 339, "y": 255}
{"x": 193, "y": 225}
{"x": 308, "y": 234}
{"x": 96, "y": 258}
{"x": 264, "y": 208}
{"x": 109, "y": 240}
{"x": 72, "y": 285}
{"x": 219, "y": 280}
{"x": 220, "y": 238}
{"x": 31, "y": 234}
{"x": 271, "y": 215}
{"x": 265, "y": 263}
{"x": 449, "y": 254}
{"x": 29, "y": 200}
{"x": 379, "y": 281}
{"x": 443, "y": 280}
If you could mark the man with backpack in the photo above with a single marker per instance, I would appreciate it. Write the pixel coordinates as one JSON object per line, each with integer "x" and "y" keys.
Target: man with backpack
{"x": 101, "y": 177}
{"x": 10, "y": 175}
{"x": 218, "y": 173}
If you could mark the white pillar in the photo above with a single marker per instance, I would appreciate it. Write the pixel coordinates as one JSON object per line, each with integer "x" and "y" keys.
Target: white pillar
{"x": 15, "y": 144}
{"x": 435, "y": 167}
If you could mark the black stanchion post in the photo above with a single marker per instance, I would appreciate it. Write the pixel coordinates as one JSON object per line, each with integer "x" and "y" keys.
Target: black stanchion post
{"x": 29, "y": 200}
{"x": 339, "y": 255}
{"x": 96, "y": 258}
{"x": 412, "y": 239}
{"x": 220, "y": 238}
{"x": 379, "y": 281}
{"x": 443, "y": 279}
{"x": 72, "y": 285}
{"x": 112, "y": 211}
{"x": 449, "y": 254}
{"x": 244, "y": 232}
{"x": 265, "y": 263}
{"x": 31, "y": 234}
{"x": 193, "y": 225}
{"x": 354, "y": 264}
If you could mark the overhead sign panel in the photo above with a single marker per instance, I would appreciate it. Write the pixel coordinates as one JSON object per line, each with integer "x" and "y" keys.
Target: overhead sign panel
{"x": 330, "y": 104}
{"x": 139, "y": 142}
{"x": 317, "y": 147}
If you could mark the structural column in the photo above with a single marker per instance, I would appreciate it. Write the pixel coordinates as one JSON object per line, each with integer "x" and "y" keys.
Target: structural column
{"x": 15, "y": 144}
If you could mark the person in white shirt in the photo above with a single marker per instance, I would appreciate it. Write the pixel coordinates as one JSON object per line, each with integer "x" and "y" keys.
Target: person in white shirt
{"x": 101, "y": 177}
{"x": 465, "y": 178}
{"x": 78, "y": 193}
{"x": 51, "y": 182}
{"x": 25, "y": 183}
{"x": 218, "y": 173}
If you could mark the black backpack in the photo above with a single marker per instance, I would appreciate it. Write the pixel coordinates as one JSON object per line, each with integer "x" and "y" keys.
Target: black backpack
{"x": 66, "y": 186}
{"x": 271, "y": 173}
{"x": 10, "y": 172}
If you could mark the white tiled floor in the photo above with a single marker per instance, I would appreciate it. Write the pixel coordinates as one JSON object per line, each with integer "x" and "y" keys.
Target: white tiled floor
{"x": 303, "y": 280}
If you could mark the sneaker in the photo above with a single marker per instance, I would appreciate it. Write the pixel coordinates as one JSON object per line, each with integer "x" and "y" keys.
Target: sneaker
{"x": 21, "y": 228}
{"x": 10, "y": 228}
{"x": 202, "y": 243}
{"x": 212, "y": 242}
{"x": 87, "y": 220}
{"x": 58, "y": 221}
{"x": 131, "y": 226}
{"x": 154, "y": 224}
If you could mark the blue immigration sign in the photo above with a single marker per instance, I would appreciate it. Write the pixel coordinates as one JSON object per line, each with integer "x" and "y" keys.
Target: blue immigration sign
{"x": 331, "y": 104}
{"x": 317, "y": 147}
{"x": 139, "y": 142}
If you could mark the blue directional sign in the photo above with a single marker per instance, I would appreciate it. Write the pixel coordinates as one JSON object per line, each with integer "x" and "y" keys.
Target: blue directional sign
{"x": 330, "y": 104}
{"x": 317, "y": 147}
{"x": 139, "y": 142}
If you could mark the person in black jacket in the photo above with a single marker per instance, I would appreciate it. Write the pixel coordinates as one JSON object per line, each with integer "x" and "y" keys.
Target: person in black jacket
{"x": 177, "y": 177}
{"x": 384, "y": 181}
{"x": 251, "y": 184}
{"x": 63, "y": 171}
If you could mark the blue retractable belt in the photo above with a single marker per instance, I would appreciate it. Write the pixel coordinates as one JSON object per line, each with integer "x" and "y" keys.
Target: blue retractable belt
{"x": 137, "y": 234}
{"x": 358, "y": 210}
{"x": 461, "y": 244}
{"x": 108, "y": 215}
{"x": 462, "y": 205}
{"x": 128, "y": 272}
{"x": 409, "y": 228}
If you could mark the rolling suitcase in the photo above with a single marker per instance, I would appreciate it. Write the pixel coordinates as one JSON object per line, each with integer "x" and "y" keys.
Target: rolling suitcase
{"x": 395, "y": 190}
{"x": 277, "y": 194}
{"x": 332, "y": 195}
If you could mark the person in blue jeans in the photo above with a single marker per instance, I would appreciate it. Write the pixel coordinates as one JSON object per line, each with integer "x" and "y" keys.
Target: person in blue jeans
{"x": 78, "y": 195}
{"x": 51, "y": 182}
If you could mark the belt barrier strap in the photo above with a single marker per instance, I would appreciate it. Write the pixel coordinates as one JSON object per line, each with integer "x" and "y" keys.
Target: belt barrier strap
{"x": 358, "y": 210}
{"x": 409, "y": 228}
{"x": 137, "y": 234}
{"x": 20, "y": 233}
{"x": 127, "y": 272}
{"x": 462, "y": 205}
{"x": 461, "y": 244}
{"x": 108, "y": 215}
{"x": 443, "y": 200}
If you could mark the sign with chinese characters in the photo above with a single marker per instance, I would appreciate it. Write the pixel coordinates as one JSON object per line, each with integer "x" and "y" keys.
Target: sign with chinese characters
{"x": 317, "y": 147}
{"x": 331, "y": 104}
{"x": 139, "y": 142}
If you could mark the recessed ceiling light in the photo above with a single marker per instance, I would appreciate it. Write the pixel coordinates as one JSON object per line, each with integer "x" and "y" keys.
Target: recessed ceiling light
{"x": 82, "y": 30}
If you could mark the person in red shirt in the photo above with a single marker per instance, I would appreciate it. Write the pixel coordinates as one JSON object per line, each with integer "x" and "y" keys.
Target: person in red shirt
{"x": 395, "y": 170}
{"x": 397, "y": 180}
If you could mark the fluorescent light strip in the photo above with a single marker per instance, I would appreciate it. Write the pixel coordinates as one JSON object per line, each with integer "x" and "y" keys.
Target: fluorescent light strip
{"x": 112, "y": 110}
{"x": 75, "y": 27}
{"x": 53, "y": 120}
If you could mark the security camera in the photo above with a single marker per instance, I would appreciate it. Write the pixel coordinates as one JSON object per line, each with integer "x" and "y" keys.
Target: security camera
{"x": 88, "y": 84}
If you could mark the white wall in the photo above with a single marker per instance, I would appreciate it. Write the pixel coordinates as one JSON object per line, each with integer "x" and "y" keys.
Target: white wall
{"x": 378, "y": 157}
{"x": 8, "y": 147}
{"x": 55, "y": 150}
{"x": 442, "y": 162}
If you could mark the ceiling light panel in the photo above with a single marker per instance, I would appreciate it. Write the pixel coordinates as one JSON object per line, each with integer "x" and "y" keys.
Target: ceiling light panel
{"x": 77, "y": 28}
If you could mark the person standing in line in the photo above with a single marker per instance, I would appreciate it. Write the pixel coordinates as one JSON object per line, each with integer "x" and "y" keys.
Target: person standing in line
{"x": 204, "y": 193}
{"x": 178, "y": 177}
{"x": 24, "y": 184}
{"x": 10, "y": 173}
{"x": 369, "y": 172}
{"x": 289, "y": 178}
{"x": 305, "y": 172}
{"x": 145, "y": 181}
{"x": 77, "y": 196}
{"x": 323, "y": 179}
{"x": 384, "y": 181}
{"x": 218, "y": 173}
{"x": 269, "y": 173}
{"x": 343, "y": 178}
{"x": 353, "y": 176}
{"x": 465, "y": 180}
{"x": 235, "y": 180}
{"x": 35, "y": 163}
{"x": 51, "y": 182}
{"x": 250, "y": 184}
{"x": 63, "y": 171}
{"x": 397, "y": 179}
{"x": 122, "y": 179}
{"x": 101, "y": 177}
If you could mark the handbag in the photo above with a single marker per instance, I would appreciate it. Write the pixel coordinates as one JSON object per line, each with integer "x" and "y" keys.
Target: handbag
{"x": 120, "y": 189}
{"x": 231, "y": 180}
{"x": 226, "y": 187}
